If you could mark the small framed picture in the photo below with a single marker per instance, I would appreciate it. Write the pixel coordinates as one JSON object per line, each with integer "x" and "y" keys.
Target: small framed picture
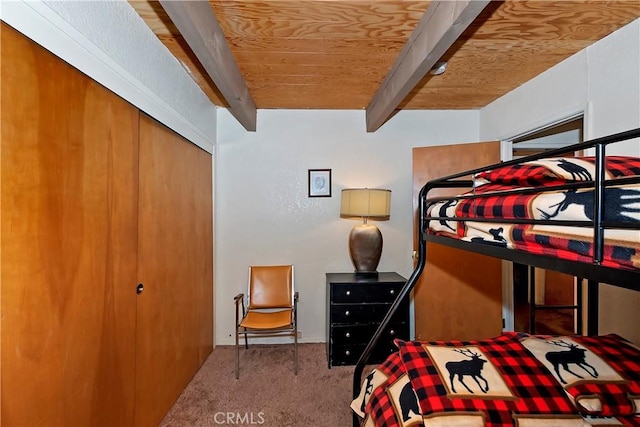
{"x": 319, "y": 182}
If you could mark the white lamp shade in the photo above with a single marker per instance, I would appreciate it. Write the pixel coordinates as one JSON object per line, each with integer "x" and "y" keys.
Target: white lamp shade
{"x": 365, "y": 203}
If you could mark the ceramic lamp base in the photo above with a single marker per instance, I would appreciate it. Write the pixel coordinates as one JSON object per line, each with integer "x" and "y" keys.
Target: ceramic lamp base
{"x": 365, "y": 248}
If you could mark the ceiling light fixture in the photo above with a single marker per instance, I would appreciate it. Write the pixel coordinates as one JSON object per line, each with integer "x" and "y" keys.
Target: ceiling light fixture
{"x": 439, "y": 68}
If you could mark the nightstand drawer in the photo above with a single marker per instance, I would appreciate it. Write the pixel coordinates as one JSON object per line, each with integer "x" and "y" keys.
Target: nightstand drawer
{"x": 364, "y": 293}
{"x": 361, "y": 334}
{"x": 362, "y": 313}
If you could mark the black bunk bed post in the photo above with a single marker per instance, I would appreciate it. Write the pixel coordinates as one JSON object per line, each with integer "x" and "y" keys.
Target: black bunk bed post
{"x": 598, "y": 239}
{"x": 593, "y": 299}
{"x": 598, "y": 203}
{"x": 532, "y": 299}
{"x": 579, "y": 312}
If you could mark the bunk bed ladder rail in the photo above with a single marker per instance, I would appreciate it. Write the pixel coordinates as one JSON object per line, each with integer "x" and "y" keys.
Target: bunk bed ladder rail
{"x": 593, "y": 298}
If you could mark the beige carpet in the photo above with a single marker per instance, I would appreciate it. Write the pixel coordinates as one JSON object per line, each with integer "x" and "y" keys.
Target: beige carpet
{"x": 267, "y": 393}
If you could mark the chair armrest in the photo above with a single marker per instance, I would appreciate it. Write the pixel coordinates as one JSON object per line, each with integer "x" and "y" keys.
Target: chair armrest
{"x": 238, "y": 300}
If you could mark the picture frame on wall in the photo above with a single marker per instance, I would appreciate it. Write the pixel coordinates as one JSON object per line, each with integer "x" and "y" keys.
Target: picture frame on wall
{"x": 319, "y": 182}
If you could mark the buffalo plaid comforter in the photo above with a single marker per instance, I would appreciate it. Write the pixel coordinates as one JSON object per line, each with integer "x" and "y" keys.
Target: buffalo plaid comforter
{"x": 494, "y": 199}
{"x": 505, "y": 381}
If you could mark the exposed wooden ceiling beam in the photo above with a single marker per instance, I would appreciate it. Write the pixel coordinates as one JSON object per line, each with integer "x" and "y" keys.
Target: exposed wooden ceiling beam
{"x": 198, "y": 25}
{"x": 443, "y": 22}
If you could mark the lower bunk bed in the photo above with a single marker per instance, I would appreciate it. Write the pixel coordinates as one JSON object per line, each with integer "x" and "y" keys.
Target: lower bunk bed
{"x": 577, "y": 215}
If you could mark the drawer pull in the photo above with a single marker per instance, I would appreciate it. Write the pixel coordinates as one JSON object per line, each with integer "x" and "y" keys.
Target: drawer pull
{"x": 392, "y": 292}
{"x": 348, "y": 293}
{"x": 392, "y": 332}
{"x": 347, "y": 353}
{"x": 348, "y": 335}
{"x": 346, "y": 313}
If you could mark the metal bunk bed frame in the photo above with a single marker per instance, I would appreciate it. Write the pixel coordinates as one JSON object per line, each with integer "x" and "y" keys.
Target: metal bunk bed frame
{"x": 593, "y": 272}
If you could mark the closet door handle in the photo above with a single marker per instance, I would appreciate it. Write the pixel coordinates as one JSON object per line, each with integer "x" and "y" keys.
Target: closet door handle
{"x": 139, "y": 288}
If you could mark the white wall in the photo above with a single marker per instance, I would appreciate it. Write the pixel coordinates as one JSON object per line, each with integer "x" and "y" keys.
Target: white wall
{"x": 604, "y": 81}
{"x": 263, "y": 214}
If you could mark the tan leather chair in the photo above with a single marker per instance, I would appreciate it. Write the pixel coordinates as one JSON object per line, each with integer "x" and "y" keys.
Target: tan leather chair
{"x": 271, "y": 308}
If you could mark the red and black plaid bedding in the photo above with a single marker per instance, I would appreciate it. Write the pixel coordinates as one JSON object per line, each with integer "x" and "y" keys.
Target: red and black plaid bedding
{"x": 601, "y": 374}
{"x": 559, "y": 170}
{"x": 621, "y": 204}
{"x": 498, "y": 382}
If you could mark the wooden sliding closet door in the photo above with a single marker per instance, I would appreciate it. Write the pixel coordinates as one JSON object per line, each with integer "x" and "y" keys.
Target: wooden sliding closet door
{"x": 68, "y": 266}
{"x": 459, "y": 295}
{"x": 175, "y": 265}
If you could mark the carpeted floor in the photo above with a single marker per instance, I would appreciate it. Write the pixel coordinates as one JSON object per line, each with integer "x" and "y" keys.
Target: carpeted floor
{"x": 270, "y": 395}
{"x": 267, "y": 393}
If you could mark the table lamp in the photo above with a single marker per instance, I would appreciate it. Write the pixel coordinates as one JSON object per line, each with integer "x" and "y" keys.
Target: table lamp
{"x": 365, "y": 240}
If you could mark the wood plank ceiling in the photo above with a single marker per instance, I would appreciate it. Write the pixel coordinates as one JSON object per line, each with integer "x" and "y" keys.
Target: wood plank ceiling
{"x": 335, "y": 54}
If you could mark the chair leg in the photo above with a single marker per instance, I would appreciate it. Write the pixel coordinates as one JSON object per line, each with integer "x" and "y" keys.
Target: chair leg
{"x": 246, "y": 341}
{"x": 295, "y": 349}
{"x": 237, "y": 355}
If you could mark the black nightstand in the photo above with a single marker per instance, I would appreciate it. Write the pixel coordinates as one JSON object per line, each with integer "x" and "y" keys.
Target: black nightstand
{"x": 355, "y": 307}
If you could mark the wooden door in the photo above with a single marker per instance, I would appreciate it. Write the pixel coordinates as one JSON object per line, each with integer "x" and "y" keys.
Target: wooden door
{"x": 459, "y": 295}
{"x": 175, "y": 265}
{"x": 68, "y": 266}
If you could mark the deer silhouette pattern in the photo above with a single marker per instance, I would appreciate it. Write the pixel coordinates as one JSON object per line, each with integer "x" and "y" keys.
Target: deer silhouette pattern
{"x": 408, "y": 402}
{"x": 368, "y": 389}
{"x": 577, "y": 172}
{"x": 471, "y": 367}
{"x": 443, "y": 213}
{"x": 621, "y": 204}
{"x": 573, "y": 355}
{"x": 497, "y": 239}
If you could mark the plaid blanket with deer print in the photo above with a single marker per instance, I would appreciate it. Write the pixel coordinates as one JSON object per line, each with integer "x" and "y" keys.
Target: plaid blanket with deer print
{"x": 455, "y": 218}
{"x": 513, "y": 379}
{"x": 550, "y": 189}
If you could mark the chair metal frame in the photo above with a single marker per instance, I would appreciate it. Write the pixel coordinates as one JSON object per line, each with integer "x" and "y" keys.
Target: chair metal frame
{"x": 290, "y": 329}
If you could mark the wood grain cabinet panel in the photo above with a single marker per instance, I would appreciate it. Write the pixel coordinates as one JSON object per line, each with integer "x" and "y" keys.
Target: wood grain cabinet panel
{"x": 96, "y": 198}
{"x": 175, "y": 258}
{"x": 69, "y": 219}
